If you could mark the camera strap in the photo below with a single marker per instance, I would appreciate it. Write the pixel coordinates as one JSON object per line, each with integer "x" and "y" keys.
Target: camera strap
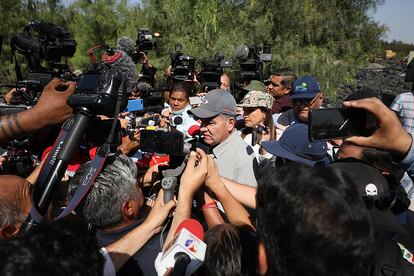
{"x": 87, "y": 180}
{"x": 47, "y": 166}
{"x": 96, "y": 164}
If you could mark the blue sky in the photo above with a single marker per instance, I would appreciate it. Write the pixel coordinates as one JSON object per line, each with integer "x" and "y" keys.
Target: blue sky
{"x": 398, "y": 16}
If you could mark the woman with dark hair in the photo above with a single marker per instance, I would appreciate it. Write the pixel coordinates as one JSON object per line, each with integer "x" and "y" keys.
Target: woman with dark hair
{"x": 258, "y": 120}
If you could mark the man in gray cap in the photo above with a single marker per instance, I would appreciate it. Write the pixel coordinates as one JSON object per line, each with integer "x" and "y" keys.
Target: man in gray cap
{"x": 234, "y": 158}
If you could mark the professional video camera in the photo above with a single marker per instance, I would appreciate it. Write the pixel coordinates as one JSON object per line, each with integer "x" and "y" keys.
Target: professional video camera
{"x": 182, "y": 67}
{"x": 100, "y": 91}
{"x": 211, "y": 71}
{"x": 41, "y": 42}
{"x": 251, "y": 60}
{"x": 145, "y": 42}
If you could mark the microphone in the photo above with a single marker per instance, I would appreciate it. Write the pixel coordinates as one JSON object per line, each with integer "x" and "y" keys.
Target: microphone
{"x": 176, "y": 120}
{"x": 187, "y": 252}
{"x": 242, "y": 52}
{"x": 194, "y": 130}
{"x": 124, "y": 64}
{"x": 125, "y": 44}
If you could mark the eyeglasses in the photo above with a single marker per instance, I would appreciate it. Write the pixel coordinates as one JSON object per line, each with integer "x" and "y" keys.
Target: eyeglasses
{"x": 306, "y": 102}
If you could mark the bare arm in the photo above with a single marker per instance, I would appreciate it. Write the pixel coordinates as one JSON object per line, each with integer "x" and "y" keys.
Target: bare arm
{"x": 51, "y": 109}
{"x": 123, "y": 249}
{"x": 390, "y": 136}
{"x": 193, "y": 177}
{"x": 246, "y": 195}
{"x": 235, "y": 212}
{"x": 35, "y": 173}
{"x": 211, "y": 214}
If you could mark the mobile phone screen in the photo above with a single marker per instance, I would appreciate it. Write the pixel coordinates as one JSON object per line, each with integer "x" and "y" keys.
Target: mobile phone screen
{"x": 135, "y": 105}
{"x": 332, "y": 123}
{"x": 170, "y": 142}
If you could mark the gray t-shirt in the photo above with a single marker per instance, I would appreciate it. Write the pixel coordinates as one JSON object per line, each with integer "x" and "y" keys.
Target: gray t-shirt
{"x": 235, "y": 160}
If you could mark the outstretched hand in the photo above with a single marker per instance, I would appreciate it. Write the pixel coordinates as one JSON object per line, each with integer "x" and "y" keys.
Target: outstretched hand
{"x": 159, "y": 212}
{"x": 213, "y": 177}
{"x": 390, "y": 135}
{"x": 195, "y": 172}
{"x": 52, "y": 103}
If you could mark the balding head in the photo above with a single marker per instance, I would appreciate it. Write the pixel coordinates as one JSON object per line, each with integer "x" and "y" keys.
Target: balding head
{"x": 15, "y": 203}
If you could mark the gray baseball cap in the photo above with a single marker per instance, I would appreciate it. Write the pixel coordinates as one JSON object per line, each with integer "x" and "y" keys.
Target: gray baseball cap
{"x": 215, "y": 102}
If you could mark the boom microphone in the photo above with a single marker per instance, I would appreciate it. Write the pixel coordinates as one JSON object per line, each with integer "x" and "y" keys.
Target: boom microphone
{"x": 124, "y": 64}
{"x": 242, "y": 52}
{"x": 187, "y": 252}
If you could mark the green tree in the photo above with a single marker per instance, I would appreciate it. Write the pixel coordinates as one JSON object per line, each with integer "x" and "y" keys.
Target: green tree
{"x": 329, "y": 39}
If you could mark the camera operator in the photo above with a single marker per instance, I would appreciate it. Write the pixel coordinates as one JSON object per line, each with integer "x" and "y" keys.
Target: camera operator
{"x": 179, "y": 104}
{"x": 147, "y": 68}
{"x": 114, "y": 205}
{"x": 225, "y": 81}
{"x": 127, "y": 45}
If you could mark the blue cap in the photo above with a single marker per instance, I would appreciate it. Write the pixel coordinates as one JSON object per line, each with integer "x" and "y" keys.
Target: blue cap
{"x": 305, "y": 87}
{"x": 294, "y": 145}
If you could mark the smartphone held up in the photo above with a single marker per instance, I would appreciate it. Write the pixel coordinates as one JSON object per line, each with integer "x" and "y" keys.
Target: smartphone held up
{"x": 334, "y": 123}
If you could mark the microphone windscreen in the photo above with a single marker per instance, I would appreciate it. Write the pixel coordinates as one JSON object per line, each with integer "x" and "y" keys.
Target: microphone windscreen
{"x": 193, "y": 226}
{"x": 242, "y": 51}
{"x": 194, "y": 130}
{"x": 125, "y": 44}
{"x": 124, "y": 64}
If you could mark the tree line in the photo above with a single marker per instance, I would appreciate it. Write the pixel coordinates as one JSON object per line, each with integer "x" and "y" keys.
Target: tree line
{"x": 329, "y": 39}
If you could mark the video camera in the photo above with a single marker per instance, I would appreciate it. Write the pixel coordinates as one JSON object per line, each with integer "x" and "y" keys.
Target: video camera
{"x": 40, "y": 42}
{"x": 251, "y": 60}
{"x": 97, "y": 90}
{"x": 43, "y": 41}
{"x": 182, "y": 67}
{"x": 145, "y": 42}
{"x": 211, "y": 71}
{"x": 100, "y": 91}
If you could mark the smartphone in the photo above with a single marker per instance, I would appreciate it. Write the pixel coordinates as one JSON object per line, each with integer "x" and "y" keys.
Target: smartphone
{"x": 333, "y": 123}
{"x": 135, "y": 105}
{"x": 163, "y": 142}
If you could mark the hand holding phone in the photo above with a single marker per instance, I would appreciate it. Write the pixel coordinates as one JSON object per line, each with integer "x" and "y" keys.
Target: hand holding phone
{"x": 389, "y": 136}
{"x": 333, "y": 123}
